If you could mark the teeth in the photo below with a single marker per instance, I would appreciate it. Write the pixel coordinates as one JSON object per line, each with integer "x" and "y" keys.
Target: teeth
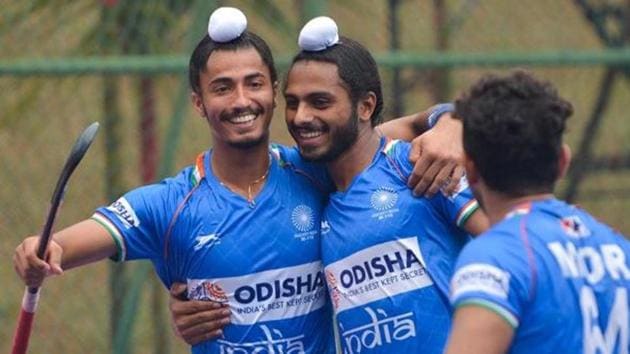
{"x": 243, "y": 119}
{"x": 310, "y": 134}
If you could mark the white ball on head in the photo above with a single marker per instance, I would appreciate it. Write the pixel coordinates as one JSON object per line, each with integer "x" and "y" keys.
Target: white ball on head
{"x": 318, "y": 34}
{"x": 226, "y": 24}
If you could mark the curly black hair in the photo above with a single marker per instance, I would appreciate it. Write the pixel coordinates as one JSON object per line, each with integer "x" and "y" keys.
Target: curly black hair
{"x": 513, "y": 128}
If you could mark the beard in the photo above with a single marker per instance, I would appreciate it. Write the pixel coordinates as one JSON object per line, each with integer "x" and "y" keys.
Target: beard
{"x": 250, "y": 143}
{"x": 341, "y": 140}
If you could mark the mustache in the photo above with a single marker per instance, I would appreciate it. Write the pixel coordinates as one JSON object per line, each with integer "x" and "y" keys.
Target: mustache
{"x": 308, "y": 126}
{"x": 227, "y": 115}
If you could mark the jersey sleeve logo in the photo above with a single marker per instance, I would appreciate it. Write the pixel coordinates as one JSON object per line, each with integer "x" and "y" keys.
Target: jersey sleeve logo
{"x": 483, "y": 278}
{"x": 125, "y": 213}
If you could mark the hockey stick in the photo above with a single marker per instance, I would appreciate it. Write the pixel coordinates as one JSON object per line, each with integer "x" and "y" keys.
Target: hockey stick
{"x": 31, "y": 295}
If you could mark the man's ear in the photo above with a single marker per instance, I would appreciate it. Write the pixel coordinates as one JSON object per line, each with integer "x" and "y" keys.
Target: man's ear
{"x": 197, "y": 102}
{"x": 275, "y": 93}
{"x": 564, "y": 161}
{"x": 366, "y": 106}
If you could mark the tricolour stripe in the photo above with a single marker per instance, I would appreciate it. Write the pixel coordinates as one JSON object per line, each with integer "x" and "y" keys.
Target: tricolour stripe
{"x": 121, "y": 251}
{"x": 465, "y": 213}
{"x": 389, "y": 146}
{"x": 502, "y": 312}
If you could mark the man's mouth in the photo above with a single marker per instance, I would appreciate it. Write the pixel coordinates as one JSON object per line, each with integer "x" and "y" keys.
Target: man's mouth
{"x": 242, "y": 118}
{"x": 309, "y": 134}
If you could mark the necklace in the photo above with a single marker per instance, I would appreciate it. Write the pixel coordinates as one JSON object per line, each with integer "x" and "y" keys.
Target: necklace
{"x": 260, "y": 179}
{"x": 250, "y": 197}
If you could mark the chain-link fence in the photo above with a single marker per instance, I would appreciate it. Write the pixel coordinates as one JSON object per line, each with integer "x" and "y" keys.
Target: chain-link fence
{"x": 65, "y": 63}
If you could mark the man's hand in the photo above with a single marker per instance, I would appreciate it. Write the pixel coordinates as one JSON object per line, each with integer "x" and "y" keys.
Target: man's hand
{"x": 31, "y": 268}
{"x": 437, "y": 156}
{"x": 196, "y": 321}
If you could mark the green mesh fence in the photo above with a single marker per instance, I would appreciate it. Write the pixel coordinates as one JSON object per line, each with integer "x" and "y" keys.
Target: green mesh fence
{"x": 64, "y": 64}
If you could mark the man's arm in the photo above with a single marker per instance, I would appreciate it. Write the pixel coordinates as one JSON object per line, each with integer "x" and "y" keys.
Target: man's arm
{"x": 477, "y": 223}
{"x": 407, "y": 127}
{"x": 79, "y": 244}
{"x": 477, "y": 330}
{"x": 436, "y": 153}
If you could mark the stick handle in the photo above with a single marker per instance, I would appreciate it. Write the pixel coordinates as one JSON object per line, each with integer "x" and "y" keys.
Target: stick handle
{"x": 25, "y": 322}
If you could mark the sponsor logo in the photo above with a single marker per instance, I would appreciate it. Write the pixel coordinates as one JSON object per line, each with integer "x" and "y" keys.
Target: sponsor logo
{"x": 483, "y": 278}
{"x": 574, "y": 227}
{"x": 208, "y": 291}
{"x": 382, "y": 329}
{"x": 303, "y": 219}
{"x": 285, "y": 288}
{"x": 325, "y": 227}
{"x": 333, "y": 288}
{"x": 383, "y": 200}
{"x": 273, "y": 342}
{"x": 374, "y": 273}
{"x": 206, "y": 241}
{"x": 265, "y": 296}
{"x": 124, "y": 212}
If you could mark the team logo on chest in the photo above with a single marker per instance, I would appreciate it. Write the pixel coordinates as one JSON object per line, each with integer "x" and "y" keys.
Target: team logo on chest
{"x": 303, "y": 219}
{"x": 383, "y": 201}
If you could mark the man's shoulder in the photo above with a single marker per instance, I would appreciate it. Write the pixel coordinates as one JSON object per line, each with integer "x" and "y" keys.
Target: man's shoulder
{"x": 499, "y": 241}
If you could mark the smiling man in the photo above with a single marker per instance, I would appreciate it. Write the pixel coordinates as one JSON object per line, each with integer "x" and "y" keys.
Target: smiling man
{"x": 387, "y": 255}
{"x": 241, "y": 227}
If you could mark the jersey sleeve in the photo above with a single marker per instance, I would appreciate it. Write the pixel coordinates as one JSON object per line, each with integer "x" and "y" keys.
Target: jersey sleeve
{"x": 138, "y": 220}
{"x": 398, "y": 152}
{"x": 492, "y": 272}
{"x": 456, "y": 208}
{"x": 317, "y": 172}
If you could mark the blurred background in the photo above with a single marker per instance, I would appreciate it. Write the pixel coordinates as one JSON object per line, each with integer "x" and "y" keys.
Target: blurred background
{"x": 66, "y": 63}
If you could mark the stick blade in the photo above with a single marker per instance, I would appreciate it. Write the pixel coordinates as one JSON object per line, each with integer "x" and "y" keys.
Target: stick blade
{"x": 82, "y": 144}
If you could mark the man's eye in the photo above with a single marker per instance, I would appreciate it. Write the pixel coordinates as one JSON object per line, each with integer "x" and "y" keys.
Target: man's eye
{"x": 291, "y": 104}
{"x": 321, "y": 103}
{"x": 220, "y": 89}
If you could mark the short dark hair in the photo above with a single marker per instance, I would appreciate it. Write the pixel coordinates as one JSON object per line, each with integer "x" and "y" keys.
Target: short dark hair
{"x": 356, "y": 67}
{"x": 513, "y": 128}
{"x": 206, "y": 46}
